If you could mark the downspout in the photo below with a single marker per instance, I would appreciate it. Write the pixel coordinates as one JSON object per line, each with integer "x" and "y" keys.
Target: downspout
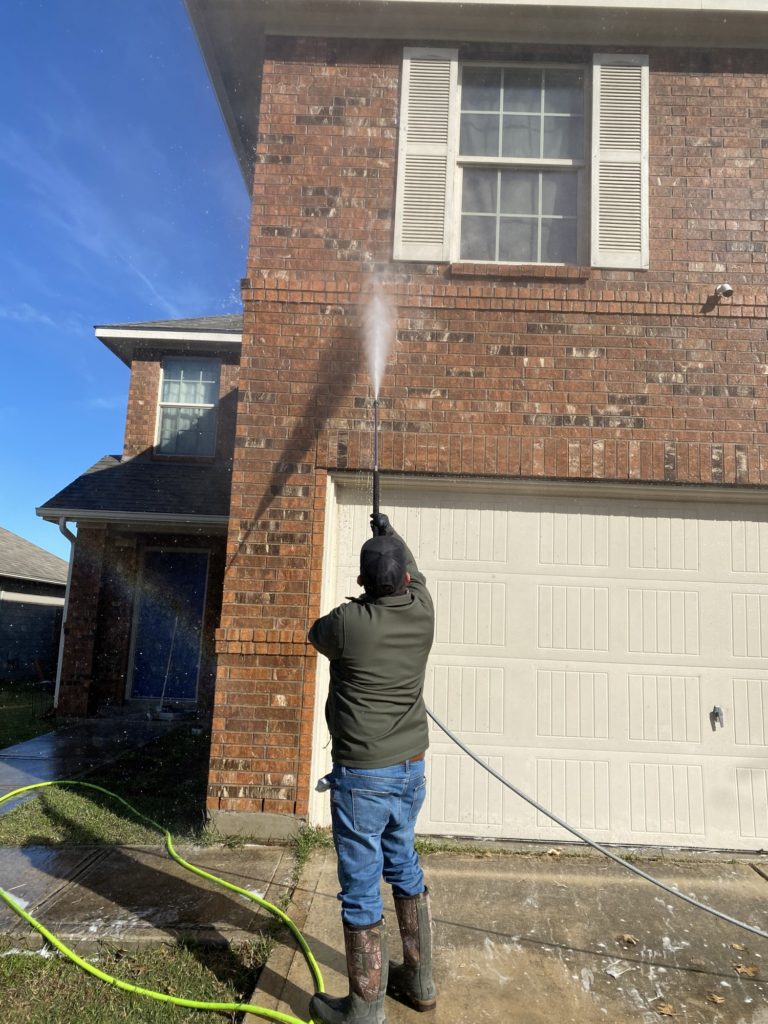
{"x": 71, "y": 537}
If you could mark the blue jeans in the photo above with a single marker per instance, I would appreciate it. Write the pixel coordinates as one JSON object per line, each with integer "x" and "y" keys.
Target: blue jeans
{"x": 373, "y": 813}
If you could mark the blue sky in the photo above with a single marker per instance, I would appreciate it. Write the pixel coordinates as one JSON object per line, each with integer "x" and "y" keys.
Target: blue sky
{"x": 120, "y": 201}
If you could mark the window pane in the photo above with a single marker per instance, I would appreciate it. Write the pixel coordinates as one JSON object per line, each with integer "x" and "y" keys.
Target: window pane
{"x": 559, "y": 193}
{"x": 171, "y": 390}
{"x": 563, "y": 138}
{"x": 185, "y": 431}
{"x": 480, "y": 88}
{"x": 517, "y": 239}
{"x": 479, "y": 135}
{"x": 522, "y": 90}
{"x": 520, "y": 192}
{"x": 190, "y": 380}
{"x": 558, "y": 241}
{"x": 478, "y": 238}
{"x": 522, "y": 136}
{"x": 479, "y": 191}
{"x": 563, "y": 92}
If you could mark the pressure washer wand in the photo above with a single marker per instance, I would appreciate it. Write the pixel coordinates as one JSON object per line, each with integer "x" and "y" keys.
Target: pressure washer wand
{"x": 376, "y": 487}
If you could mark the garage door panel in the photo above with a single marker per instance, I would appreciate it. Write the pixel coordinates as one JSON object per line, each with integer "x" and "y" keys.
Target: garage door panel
{"x": 468, "y": 698}
{"x": 750, "y": 712}
{"x": 664, "y": 542}
{"x": 462, "y": 796}
{"x": 752, "y": 802}
{"x": 574, "y": 539}
{"x": 573, "y": 618}
{"x": 577, "y": 790}
{"x": 572, "y": 704}
{"x": 581, "y": 646}
{"x": 470, "y": 613}
{"x": 749, "y": 547}
{"x": 664, "y": 708}
{"x": 666, "y": 799}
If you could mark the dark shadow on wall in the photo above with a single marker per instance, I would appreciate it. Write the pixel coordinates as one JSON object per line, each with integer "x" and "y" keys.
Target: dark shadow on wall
{"x": 338, "y": 366}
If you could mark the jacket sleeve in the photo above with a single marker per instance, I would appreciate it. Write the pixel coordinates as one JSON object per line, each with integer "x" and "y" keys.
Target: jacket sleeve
{"x": 411, "y": 568}
{"x": 327, "y": 634}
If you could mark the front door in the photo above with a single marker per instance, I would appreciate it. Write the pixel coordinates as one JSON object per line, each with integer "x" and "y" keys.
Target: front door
{"x": 168, "y": 625}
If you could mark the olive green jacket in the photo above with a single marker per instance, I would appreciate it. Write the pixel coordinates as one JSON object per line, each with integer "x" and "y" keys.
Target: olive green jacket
{"x": 378, "y": 650}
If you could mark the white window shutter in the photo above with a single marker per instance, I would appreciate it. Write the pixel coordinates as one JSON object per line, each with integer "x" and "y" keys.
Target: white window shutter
{"x": 425, "y": 170}
{"x": 620, "y": 161}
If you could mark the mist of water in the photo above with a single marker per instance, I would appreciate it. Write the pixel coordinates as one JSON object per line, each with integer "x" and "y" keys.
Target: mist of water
{"x": 378, "y": 335}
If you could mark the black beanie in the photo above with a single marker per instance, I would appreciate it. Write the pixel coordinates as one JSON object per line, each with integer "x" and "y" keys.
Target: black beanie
{"x": 382, "y": 565}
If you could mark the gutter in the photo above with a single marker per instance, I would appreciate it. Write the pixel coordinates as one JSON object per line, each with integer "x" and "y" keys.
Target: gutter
{"x": 128, "y": 518}
{"x": 71, "y": 537}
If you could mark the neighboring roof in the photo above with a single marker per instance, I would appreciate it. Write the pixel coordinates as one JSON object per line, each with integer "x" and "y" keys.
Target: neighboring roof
{"x": 231, "y": 35}
{"x": 188, "y": 335}
{"x": 145, "y": 491}
{"x": 23, "y": 560}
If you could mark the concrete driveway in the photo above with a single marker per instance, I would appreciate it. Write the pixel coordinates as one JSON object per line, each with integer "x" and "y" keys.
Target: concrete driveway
{"x": 548, "y": 938}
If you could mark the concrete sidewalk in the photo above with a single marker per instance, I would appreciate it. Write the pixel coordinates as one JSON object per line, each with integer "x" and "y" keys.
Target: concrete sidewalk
{"x": 571, "y": 938}
{"x": 132, "y": 896}
{"x": 525, "y": 936}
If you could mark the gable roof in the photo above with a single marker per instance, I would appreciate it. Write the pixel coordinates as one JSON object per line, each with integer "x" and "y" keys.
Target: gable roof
{"x": 21, "y": 559}
{"x": 142, "y": 491}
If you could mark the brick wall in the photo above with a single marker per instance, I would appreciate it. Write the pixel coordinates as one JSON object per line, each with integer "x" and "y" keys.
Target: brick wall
{"x": 108, "y": 562}
{"x": 81, "y": 623}
{"x": 143, "y": 395}
{"x": 510, "y": 372}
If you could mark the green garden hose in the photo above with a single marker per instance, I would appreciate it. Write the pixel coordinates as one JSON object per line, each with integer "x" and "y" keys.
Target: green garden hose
{"x": 126, "y": 986}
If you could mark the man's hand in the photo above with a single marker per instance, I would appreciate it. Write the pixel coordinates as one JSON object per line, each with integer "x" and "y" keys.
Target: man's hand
{"x": 380, "y": 525}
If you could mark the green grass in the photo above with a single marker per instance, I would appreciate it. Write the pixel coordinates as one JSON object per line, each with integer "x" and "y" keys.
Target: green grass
{"x": 52, "y": 990}
{"x": 23, "y": 710}
{"x": 165, "y": 780}
{"x": 309, "y": 839}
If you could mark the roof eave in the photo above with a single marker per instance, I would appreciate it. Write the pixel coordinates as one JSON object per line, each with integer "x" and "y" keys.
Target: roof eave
{"x": 33, "y": 579}
{"x": 231, "y": 35}
{"x": 125, "y": 342}
{"x": 125, "y": 518}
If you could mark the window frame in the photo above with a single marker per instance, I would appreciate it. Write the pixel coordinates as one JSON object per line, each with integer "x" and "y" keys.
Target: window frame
{"x": 582, "y": 167}
{"x": 161, "y": 406}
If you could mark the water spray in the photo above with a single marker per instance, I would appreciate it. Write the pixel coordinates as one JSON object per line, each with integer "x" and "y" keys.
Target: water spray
{"x": 379, "y": 332}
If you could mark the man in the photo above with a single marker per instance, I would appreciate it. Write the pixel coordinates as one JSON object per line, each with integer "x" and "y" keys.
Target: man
{"x": 378, "y": 647}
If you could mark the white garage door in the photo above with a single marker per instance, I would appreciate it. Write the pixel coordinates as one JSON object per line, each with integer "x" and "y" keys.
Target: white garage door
{"x": 582, "y": 646}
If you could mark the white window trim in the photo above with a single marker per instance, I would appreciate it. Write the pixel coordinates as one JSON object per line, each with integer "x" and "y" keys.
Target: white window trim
{"x": 185, "y": 405}
{"x": 459, "y": 162}
{"x": 613, "y": 211}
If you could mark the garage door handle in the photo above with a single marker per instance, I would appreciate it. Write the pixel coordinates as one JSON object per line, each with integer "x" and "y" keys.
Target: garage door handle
{"x": 715, "y": 716}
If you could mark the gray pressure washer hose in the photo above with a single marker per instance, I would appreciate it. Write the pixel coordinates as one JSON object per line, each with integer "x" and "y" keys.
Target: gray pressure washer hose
{"x": 590, "y": 842}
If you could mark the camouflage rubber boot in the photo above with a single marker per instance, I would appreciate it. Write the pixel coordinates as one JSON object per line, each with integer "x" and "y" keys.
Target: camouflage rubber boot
{"x": 411, "y": 981}
{"x": 367, "y": 969}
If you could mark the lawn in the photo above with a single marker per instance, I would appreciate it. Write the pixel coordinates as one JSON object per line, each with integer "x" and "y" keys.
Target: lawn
{"x": 50, "y": 990}
{"x": 24, "y": 711}
{"x": 165, "y": 780}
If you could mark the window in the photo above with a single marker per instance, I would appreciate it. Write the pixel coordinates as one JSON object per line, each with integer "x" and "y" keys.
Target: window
{"x": 512, "y": 163}
{"x": 521, "y": 154}
{"x": 187, "y": 409}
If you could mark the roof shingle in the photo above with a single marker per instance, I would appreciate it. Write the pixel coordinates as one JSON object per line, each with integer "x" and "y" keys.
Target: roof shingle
{"x": 145, "y": 486}
{"x": 22, "y": 559}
